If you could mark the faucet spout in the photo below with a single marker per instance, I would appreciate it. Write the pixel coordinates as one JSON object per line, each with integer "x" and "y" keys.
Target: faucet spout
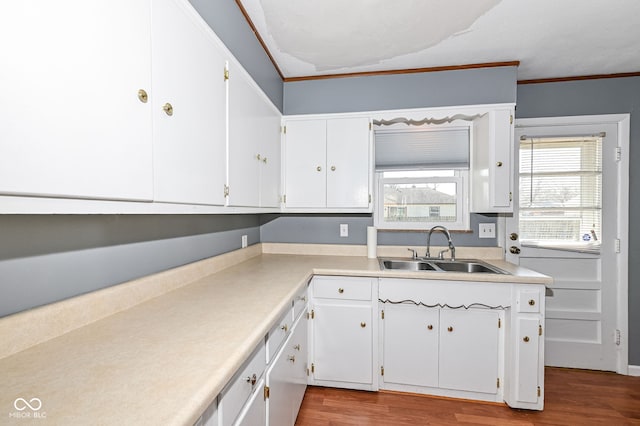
{"x": 452, "y": 248}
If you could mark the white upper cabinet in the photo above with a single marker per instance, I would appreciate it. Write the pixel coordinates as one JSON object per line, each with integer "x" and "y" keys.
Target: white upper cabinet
{"x": 189, "y": 107}
{"x": 72, "y": 124}
{"x": 492, "y": 174}
{"x": 327, "y": 163}
{"x": 254, "y": 144}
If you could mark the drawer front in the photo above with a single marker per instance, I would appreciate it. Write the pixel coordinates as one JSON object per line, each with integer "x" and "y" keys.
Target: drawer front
{"x": 299, "y": 303}
{"x": 528, "y": 301}
{"x": 342, "y": 288}
{"x": 278, "y": 334}
{"x": 238, "y": 390}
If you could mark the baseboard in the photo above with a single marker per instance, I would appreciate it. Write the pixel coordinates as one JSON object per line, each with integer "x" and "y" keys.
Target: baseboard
{"x": 634, "y": 370}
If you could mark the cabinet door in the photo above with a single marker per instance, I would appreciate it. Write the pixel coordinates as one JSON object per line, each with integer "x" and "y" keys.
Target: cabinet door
{"x": 254, "y": 142}
{"x": 255, "y": 413}
{"x": 342, "y": 342}
{"x": 469, "y": 350}
{"x": 348, "y": 163}
{"x": 72, "y": 124}
{"x": 188, "y": 73}
{"x": 527, "y": 359}
{"x": 491, "y": 166}
{"x": 410, "y": 345}
{"x": 287, "y": 379}
{"x": 305, "y": 161}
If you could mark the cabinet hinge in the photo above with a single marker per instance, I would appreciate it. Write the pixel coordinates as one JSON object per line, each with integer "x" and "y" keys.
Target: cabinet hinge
{"x": 284, "y": 129}
{"x": 313, "y": 368}
{"x": 382, "y": 314}
{"x": 266, "y": 393}
{"x": 226, "y": 74}
{"x": 539, "y": 392}
{"x": 284, "y": 199}
{"x": 510, "y": 196}
{"x": 499, "y": 323}
{"x": 370, "y": 126}
{"x": 369, "y": 198}
{"x": 226, "y": 191}
{"x": 382, "y": 370}
{"x": 617, "y": 245}
{"x": 618, "y": 153}
{"x": 618, "y": 337}
{"x": 511, "y": 119}
{"x": 539, "y": 330}
{"x": 498, "y": 382}
{"x": 307, "y": 372}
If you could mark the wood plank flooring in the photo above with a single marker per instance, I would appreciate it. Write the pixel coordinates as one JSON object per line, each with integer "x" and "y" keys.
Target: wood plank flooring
{"x": 573, "y": 397}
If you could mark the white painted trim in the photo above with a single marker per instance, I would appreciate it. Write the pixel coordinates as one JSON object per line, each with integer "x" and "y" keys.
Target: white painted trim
{"x": 622, "y": 302}
{"x": 634, "y": 370}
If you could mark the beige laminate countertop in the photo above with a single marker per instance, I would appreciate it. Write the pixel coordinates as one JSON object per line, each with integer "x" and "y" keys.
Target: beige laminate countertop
{"x": 163, "y": 361}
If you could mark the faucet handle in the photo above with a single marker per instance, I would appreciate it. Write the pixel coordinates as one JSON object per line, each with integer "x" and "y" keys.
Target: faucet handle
{"x": 414, "y": 253}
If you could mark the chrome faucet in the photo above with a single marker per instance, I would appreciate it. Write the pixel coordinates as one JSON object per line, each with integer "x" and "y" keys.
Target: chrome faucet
{"x": 451, "y": 246}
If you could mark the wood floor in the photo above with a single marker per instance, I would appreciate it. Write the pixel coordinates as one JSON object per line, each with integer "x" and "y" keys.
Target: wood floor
{"x": 573, "y": 397}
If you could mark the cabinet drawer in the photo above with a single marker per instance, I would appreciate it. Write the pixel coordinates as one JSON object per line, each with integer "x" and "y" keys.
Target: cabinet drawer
{"x": 299, "y": 303}
{"x": 342, "y": 288}
{"x": 238, "y": 390}
{"x": 278, "y": 333}
{"x": 528, "y": 300}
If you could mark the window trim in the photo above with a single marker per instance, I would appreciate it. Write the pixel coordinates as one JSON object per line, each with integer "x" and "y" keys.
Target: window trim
{"x": 461, "y": 178}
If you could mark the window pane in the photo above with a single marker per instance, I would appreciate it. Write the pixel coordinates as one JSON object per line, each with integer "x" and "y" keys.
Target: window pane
{"x": 418, "y": 173}
{"x": 561, "y": 190}
{"x": 420, "y": 202}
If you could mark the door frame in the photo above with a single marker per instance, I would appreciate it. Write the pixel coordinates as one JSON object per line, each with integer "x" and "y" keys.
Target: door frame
{"x": 622, "y": 286}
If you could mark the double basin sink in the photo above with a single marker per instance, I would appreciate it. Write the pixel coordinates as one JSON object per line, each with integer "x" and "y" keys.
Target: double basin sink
{"x": 440, "y": 265}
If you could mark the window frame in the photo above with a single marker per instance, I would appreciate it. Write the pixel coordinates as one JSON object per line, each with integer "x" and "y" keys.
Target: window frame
{"x": 461, "y": 178}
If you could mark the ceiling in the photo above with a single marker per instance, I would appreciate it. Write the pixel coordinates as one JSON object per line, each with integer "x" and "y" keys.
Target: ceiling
{"x": 550, "y": 38}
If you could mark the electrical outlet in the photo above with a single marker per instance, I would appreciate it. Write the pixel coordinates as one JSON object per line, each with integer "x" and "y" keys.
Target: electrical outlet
{"x": 344, "y": 230}
{"x": 486, "y": 230}
{"x": 244, "y": 241}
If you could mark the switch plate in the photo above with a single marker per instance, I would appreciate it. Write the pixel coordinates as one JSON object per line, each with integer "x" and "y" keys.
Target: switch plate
{"x": 244, "y": 241}
{"x": 486, "y": 230}
{"x": 344, "y": 230}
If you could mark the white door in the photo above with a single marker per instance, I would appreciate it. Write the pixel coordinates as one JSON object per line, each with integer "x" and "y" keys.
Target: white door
{"x": 567, "y": 225}
{"x": 348, "y": 163}
{"x": 305, "y": 159}
{"x": 71, "y": 122}
{"x": 188, "y": 73}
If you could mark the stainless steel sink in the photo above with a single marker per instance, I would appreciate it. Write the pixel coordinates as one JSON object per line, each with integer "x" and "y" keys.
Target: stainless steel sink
{"x": 407, "y": 265}
{"x": 467, "y": 265}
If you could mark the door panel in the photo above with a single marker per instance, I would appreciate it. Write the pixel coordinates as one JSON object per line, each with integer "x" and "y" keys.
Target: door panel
{"x": 581, "y": 307}
{"x": 305, "y": 160}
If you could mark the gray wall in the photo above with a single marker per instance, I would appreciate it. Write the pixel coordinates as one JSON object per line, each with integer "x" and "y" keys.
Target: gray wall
{"x": 606, "y": 96}
{"x": 229, "y": 24}
{"x": 324, "y": 229}
{"x": 420, "y": 90}
{"x": 46, "y": 258}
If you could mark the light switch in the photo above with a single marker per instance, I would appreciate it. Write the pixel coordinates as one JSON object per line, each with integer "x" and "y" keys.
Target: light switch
{"x": 486, "y": 230}
{"x": 344, "y": 230}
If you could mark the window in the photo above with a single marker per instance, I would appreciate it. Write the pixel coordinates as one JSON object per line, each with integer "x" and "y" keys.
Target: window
{"x": 561, "y": 191}
{"x": 421, "y": 199}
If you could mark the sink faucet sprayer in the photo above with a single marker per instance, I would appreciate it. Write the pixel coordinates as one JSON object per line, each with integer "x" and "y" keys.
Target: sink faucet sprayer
{"x": 448, "y": 235}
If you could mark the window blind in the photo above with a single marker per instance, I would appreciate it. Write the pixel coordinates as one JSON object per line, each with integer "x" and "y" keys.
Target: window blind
{"x": 420, "y": 148}
{"x": 561, "y": 189}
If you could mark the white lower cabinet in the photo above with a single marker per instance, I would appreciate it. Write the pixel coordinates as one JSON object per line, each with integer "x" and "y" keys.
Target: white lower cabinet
{"x": 343, "y": 332}
{"x": 248, "y": 382}
{"x": 440, "y": 348}
{"x": 287, "y": 378}
{"x": 255, "y": 412}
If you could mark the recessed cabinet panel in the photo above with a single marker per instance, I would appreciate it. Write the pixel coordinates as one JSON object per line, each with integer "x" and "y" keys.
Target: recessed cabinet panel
{"x": 305, "y": 159}
{"x": 348, "y": 163}
{"x": 254, "y": 145}
{"x": 72, "y": 124}
{"x": 342, "y": 342}
{"x": 526, "y": 357}
{"x": 410, "y": 348}
{"x": 469, "y": 350}
{"x": 189, "y": 103}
